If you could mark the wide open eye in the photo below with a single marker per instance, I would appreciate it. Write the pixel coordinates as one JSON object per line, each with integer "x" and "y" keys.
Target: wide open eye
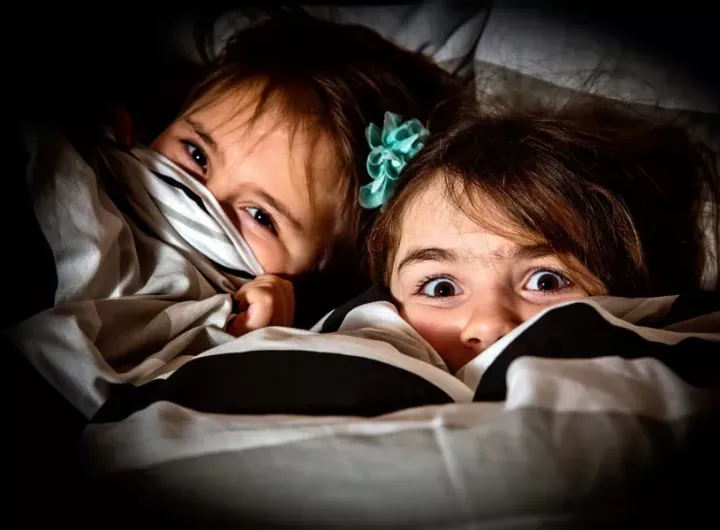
{"x": 546, "y": 280}
{"x": 439, "y": 288}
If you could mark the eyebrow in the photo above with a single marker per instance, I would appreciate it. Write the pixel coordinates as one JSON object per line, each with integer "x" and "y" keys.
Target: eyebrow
{"x": 281, "y": 209}
{"x": 203, "y": 134}
{"x": 419, "y": 255}
{"x": 447, "y": 255}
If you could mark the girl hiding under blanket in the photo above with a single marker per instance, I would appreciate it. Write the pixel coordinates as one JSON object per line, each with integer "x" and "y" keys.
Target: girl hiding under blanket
{"x": 278, "y": 138}
{"x": 508, "y": 214}
{"x": 255, "y": 183}
{"x": 496, "y": 241}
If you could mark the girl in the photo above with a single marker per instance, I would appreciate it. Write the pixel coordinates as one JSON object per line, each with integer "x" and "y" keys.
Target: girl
{"x": 291, "y": 158}
{"x": 255, "y": 183}
{"x": 507, "y": 215}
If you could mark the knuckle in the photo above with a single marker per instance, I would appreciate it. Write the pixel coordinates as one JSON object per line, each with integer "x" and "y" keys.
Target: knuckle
{"x": 265, "y": 297}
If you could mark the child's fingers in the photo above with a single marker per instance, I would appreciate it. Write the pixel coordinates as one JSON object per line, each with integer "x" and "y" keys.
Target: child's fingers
{"x": 283, "y": 300}
{"x": 260, "y": 307}
{"x": 257, "y": 315}
{"x": 264, "y": 301}
{"x": 286, "y": 310}
{"x": 236, "y": 327}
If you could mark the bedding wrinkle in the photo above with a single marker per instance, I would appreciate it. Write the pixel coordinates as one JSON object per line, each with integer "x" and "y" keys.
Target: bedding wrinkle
{"x": 564, "y": 449}
{"x": 652, "y": 334}
{"x": 170, "y": 212}
{"x": 133, "y": 292}
{"x": 190, "y": 344}
{"x": 353, "y": 343}
{"x": 75, "y": 358}
{"x": 173, "y": 354}
{"x": 179, "y": 433}
{"x": 148, "y": 270}
{"x": 705, "y": 324}
{"x": 552, "y": 472}
{"x": 165, "y": 273}
{"x": 350, "y": 461}
{"x": 601, "y": 384}
{"x": 453, "y": 469}
{"x": 381, "y": 321}
{"x": 149, "y": 325}
{"x": 67, "y": 211}
{"x": 642, "y": 311}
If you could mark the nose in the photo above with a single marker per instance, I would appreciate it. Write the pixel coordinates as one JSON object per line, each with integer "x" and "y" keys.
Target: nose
{"x": 489, "y": 322}
{"x": 224, "y": 195}
{"x": 216, "y": 187}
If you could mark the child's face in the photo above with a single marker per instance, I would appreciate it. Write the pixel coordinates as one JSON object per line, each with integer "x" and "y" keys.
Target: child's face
{"x": 259, "y": 176}
{"x": 463, "y": 288}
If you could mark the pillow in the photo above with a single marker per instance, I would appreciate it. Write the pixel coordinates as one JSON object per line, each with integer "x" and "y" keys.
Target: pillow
{"x": 582, "y": 49}
{"x": 447, "y": 31}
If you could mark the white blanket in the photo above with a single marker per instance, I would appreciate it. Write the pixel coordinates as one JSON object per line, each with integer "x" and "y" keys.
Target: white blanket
{"x": 577, "y": 416}
{"x": 146, "y": 262}
{"x": 357, "y": 420}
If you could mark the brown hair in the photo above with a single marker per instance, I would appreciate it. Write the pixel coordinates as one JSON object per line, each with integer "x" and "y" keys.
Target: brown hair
{"x": 619, "y": 194}
{"x": 335, "y": 79}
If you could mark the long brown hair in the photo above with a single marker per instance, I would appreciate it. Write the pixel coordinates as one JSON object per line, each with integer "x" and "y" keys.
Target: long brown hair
{"x": 619, "y": 193}
{"x": 332, "y": 79}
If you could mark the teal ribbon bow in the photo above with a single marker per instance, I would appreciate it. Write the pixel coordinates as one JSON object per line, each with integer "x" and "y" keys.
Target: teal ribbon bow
{"x": 391, "y": 149}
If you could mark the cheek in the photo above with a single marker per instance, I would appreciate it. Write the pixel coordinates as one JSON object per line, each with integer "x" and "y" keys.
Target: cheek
{"x": 439, "y": 327}
{"x": 269, "y": 254}
{"x": 274, "y": 257}
{"x": 526, "y": 310}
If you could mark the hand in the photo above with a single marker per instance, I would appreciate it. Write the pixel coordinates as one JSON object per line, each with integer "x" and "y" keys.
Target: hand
{"x": 265, "y": 301}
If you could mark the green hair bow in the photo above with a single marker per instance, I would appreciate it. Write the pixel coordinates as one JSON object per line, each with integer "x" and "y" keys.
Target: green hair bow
{"x": 391, "y": 149}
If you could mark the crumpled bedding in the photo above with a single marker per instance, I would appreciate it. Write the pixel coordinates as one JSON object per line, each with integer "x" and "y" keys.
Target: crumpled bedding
{"x": 579, "y": 416}
{"x": 146, "y": 260}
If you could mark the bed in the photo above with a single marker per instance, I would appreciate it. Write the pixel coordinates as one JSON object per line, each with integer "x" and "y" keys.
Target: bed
{"x": 325, "y": 435}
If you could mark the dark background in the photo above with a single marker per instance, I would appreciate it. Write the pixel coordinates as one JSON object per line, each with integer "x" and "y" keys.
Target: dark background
{"x": 71, "y": 56}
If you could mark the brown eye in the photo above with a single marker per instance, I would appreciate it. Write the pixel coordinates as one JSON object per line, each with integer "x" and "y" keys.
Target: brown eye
{"x": 196, "y": 154}
{"x": 262, "y": 218}
{"x": 440, "y": 288}
{"x": 547, "y": 281}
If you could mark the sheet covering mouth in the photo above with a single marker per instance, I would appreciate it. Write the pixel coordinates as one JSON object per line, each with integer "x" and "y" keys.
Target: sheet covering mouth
{"x": 181, "y": 211}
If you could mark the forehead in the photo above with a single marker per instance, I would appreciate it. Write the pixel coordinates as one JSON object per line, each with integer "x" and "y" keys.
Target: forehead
{"x": 432, "y": 216}
{"x": 270, "y": 145}
{"x": 238, "y": 118}
{"x": 433, "y": 220}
